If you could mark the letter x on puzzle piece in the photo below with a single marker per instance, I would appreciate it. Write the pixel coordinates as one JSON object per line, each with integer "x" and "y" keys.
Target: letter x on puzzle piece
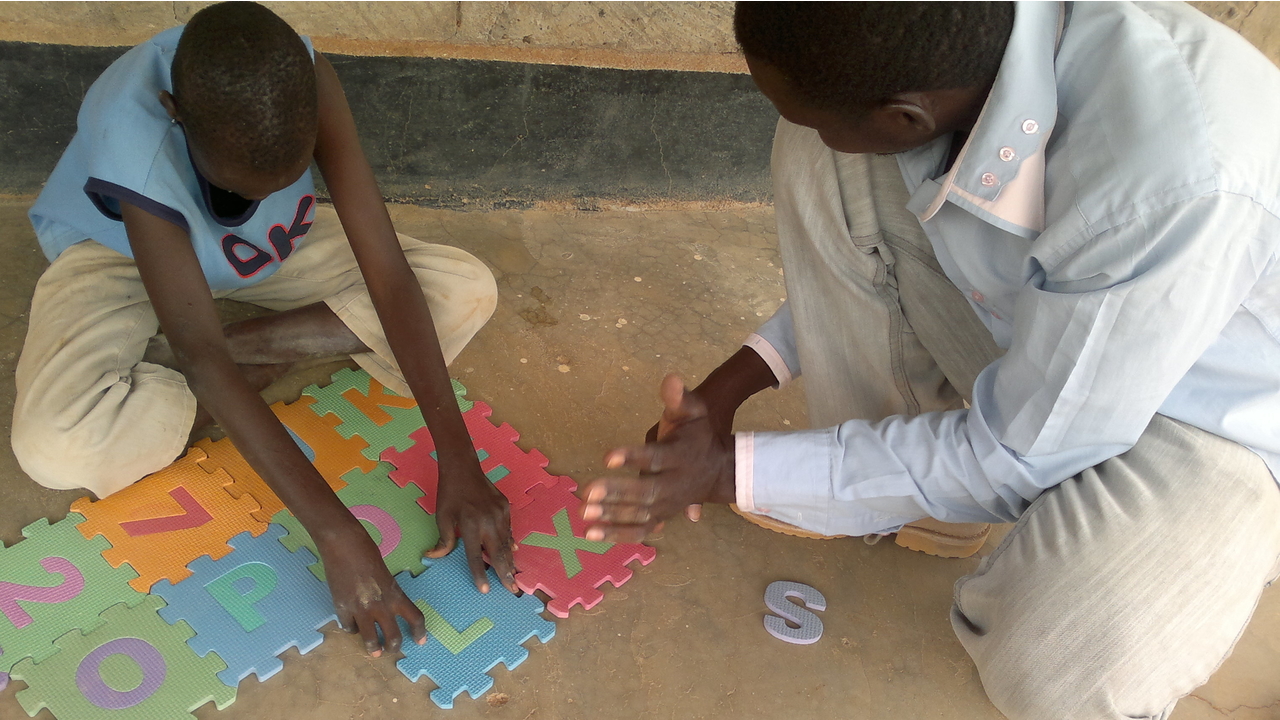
{"x": 54, "y": 582}
{"x": 133, "y": 649}
{"x": 468, "y": 632}
{"x": 554, "y": 557}
{"x": 169, "y": 518}
{"x": 514, "y": 471}
{"x": 251, "y": 605}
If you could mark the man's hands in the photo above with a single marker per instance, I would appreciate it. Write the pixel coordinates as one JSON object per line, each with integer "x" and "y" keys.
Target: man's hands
{"x": 364, "y": 594}
{"x": 691, "y": 462}
{"x": 470, "y": 507}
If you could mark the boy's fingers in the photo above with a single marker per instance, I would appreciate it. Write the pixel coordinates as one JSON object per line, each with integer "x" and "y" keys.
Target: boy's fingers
{"x": 390, "y": 631}
{"x": 500, "y": 559}
{"x": 448, "y": 538}
{"x": 369, "y": 632}
{"x": 617, "y": 513}
{"x": 475, "y": 560}
{"x": 412, "y": 615}
{"x": 619, "y": 533}
{"x": 636, "y": 491}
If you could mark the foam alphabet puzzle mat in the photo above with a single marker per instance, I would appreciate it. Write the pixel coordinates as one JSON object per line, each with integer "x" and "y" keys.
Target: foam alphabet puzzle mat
{"x": 133, "y": 666}
{"x": 468, "y": 632}
{"x": 251, "y": 605}
{"x": 52, "y": 583}
{"x": 165, "y": 596}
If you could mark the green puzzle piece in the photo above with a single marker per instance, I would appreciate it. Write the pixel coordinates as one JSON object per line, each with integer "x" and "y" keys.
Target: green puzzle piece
{"x": 392, "y": 433}
{"x": 452, "y": 640}
{"x": 53, "y": 582}
{"x": 566, "y": 543}
{"x": 135, "y": 662}
{"x": 459, "y": 390}
{"x": 376, "y": 500}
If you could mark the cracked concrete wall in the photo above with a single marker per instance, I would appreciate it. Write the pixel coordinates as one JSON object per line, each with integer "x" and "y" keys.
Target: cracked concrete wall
{"x": 651, "y": 35}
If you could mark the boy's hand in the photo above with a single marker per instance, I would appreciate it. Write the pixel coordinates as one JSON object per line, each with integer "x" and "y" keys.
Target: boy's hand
{"x": 469, "y": 507}
{"x": 693, "y": 463}
{"x": 365, "y": 596}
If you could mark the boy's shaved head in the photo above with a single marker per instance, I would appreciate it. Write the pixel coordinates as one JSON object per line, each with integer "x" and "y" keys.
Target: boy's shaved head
{"x": 846, "y": 57}
{"x": 245, "y": 87}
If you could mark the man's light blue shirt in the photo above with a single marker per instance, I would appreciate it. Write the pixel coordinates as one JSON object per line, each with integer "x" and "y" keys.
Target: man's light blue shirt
{"x": 1114, "y": 220}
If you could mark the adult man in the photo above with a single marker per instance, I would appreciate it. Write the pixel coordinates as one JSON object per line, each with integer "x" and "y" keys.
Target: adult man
{"x": 1067, "y": 216}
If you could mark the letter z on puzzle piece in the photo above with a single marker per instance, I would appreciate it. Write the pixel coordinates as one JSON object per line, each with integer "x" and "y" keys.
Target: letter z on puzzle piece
{"x": 167, "y": 519}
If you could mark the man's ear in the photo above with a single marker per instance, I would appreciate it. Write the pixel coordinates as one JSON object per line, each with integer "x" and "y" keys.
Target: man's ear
{"x": 910, "y": 113}
{"x": 170, "y": 105}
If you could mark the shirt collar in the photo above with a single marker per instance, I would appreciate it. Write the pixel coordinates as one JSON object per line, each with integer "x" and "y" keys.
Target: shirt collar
{"x": 999, "y": 174}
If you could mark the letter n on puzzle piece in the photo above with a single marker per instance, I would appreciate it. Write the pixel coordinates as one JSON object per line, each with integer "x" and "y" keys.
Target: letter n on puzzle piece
{"x": 554, "y": 557}
{"x": 161, "y": 523}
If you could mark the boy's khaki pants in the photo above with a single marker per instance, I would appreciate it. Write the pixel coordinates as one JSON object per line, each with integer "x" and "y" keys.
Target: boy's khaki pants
{"x": 1118, "y": 591}
{"x": 91, "y": 414}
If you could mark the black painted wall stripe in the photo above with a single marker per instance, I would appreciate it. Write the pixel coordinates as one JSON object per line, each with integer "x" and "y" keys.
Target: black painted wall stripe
{"x": 469, "y": 133}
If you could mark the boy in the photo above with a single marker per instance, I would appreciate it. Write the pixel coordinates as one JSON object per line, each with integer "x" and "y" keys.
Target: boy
{"x": 188, "y": 179}
{"x": 1065, "y": 214}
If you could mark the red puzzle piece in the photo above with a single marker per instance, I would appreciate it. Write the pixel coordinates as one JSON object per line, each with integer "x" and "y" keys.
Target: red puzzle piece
{"x": 553, "y": 556}
{"x": 497, "y": 445}
{"x": 164, "y": 521}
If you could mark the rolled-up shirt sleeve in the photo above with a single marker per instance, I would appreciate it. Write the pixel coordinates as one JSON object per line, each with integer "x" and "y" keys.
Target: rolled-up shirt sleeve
{"x": 1101, "y": 338}
{"x": 775, "y": 343}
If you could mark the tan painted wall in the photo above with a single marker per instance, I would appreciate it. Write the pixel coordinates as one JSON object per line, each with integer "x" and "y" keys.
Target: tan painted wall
{"x": 674, "y": 35}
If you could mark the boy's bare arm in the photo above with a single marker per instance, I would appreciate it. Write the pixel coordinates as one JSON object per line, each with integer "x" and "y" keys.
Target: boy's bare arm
{"x": 469, "y": 506}
{"x": 363, "y": 590}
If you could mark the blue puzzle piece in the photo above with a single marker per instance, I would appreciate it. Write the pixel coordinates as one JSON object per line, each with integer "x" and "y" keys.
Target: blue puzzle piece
{"x": 468, "y": 632}
{"x": 251, "y": 605}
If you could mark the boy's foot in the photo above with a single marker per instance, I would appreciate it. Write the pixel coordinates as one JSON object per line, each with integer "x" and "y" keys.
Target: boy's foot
{"x": 929, "y": 536}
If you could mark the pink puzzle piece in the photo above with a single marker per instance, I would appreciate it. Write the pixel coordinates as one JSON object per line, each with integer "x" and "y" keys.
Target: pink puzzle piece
{"x": 517, "y": 471}
{"x": 554, "y": 557}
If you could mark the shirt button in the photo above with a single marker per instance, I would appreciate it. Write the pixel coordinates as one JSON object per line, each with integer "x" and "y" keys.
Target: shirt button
{"x": 989, "y": 179}
{"x": 977, "y": 296}
{"x": 1030, "y": 127}
{"x": 1007, "y": 154}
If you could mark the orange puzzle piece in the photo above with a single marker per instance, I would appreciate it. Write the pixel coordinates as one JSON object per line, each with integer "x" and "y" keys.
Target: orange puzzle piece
{"x": 335, "y": 455}
{"x": 224, "y": 455}
{"x": 164, "y": 521}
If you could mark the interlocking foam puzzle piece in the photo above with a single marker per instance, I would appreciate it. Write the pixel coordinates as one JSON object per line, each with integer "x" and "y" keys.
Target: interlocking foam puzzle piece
{"x": 468, "y": 632}
{"x": 511, "y": 469}
{"x": 553, "y": 556}
{"x": 366, "y": 409}
{"x": 224, "y": 455}
{"x": 53, "y": 582}
{"x": 167, "y": 519}
{"x": 390, "y": 514}
{"x": 335, "y": 453}
{"x": 251, "y": 605}
{"x": 134, "y": 666}
{"x": 459, "y": 394}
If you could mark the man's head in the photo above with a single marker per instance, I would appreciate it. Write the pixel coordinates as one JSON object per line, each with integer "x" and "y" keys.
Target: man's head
{"x": 875, "y": 77}
{"x": 244, "y": 89}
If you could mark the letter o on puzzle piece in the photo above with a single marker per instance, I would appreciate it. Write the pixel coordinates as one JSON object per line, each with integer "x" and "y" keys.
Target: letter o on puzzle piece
{"x": 97, "y": 691}
{"x": 775, "y": 598}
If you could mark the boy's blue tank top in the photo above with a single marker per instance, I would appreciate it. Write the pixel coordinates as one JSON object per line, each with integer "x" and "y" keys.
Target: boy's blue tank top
{"x": 127, "y": 149}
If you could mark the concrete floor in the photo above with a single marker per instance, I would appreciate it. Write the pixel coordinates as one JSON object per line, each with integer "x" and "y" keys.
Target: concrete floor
{"x": 595, "y": 308}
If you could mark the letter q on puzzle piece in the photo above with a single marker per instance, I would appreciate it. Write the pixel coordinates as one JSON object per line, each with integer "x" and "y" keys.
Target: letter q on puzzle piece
{"x": 777, "y": 598}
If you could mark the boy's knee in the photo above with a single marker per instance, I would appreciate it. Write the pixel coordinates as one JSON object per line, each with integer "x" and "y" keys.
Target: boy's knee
{"x": 61, "y": 459}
